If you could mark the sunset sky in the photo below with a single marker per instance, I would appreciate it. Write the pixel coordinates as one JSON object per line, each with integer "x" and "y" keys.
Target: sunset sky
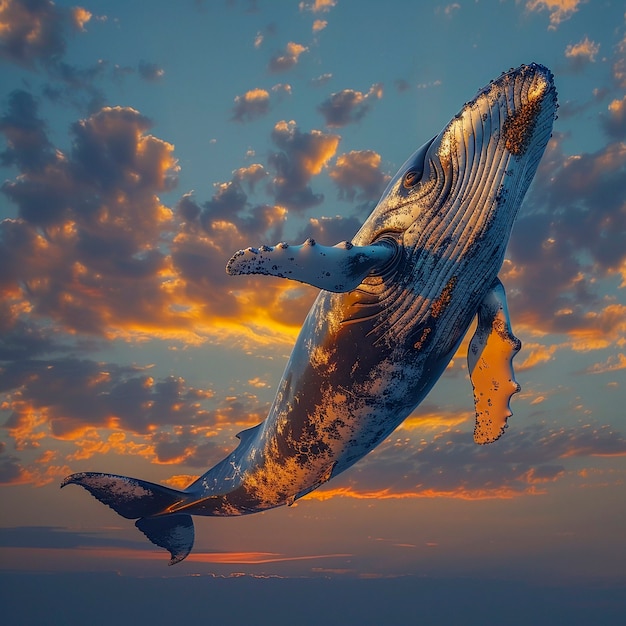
{"x": 145, "y": 142}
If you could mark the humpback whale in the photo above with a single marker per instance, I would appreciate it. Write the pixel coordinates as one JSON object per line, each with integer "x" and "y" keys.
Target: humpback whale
{"x": 395, "y": 303}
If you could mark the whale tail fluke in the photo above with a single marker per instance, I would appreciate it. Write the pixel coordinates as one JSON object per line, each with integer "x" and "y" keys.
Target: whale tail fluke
{"x": 175, "y": 533}
{"x": 141, "y": 500}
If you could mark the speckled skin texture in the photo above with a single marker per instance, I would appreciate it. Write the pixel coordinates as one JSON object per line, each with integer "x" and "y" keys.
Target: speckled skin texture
{"x": 365, "y": 358}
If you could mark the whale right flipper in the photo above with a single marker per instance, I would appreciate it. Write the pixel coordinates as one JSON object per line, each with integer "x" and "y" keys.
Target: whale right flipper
{"x": 339, "y": 268}
{"x": 490, "y": 363}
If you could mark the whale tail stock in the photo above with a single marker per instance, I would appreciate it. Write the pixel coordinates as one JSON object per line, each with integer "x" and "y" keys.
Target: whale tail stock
{"x": 147, "y": 503}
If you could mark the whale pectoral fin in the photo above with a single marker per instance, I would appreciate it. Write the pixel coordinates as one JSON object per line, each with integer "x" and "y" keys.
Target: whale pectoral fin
{"x": 175, "y": 533}
{"x": 490, "y": 361}
{"x": 339, "y": 268}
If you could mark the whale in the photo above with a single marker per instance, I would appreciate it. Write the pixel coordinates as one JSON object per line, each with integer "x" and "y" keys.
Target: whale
{"x": 394, "y": 305}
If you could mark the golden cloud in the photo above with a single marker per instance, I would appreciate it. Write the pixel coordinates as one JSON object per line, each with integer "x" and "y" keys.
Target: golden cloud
{"x": 560, "y": 10}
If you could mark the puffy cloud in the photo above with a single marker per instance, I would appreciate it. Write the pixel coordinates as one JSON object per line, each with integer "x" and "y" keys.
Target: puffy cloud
{"x": 302, "y": 155}
{"x": 571, "y": 236}
{"x": 250, "y": 105}
{"x": 348, "y": 106}
{"x": 357, "y": 174}
{"x": 614, "y": 122}
{"x": 319, "y": 25}
{"x": 330, "y": 230}
{"x": 85, "y": 249}
{"x": 35, "y": 32}
{"x": 95, "y": 395}
{"x": 560, "y": 10}
{"x": 28, "y": 146}
{"x": 582, "y": 53}
{"x": 288, "y": 58}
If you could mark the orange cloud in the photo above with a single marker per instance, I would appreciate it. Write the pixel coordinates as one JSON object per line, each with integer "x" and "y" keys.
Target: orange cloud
{"x": 250, "y": 105}
{"x": 460, "y": 493}
{"x": 287, "y": 59}
{"x": 358, "y": 174}
{"x": 613, "y": 364}
{"x": 584, "y": 49}
{"x": 560, "y": 10}
{"x": 318, "y": 6}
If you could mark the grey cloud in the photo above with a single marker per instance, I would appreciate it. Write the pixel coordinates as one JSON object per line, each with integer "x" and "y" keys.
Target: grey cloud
{"x": 95, "y": 393}
{"x": 302, "y": 155}
{"x": 348, "y": 106}
{"x": 251, "y": 105}
{"x": 454, "y": 463}
{"x": 33, "y": 31}
{"x": 614, "y": 121}
{"x": 330, "y": 230}
{"x": 357, "y": 174}
{"x": 572, "y": 233}
{"x": 28, "y": 147}
{"x": 55, "y": 537}
{"x": 150, "y": 72}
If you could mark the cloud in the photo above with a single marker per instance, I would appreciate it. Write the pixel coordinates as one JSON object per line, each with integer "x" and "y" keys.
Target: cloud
{"x": 348, "y": 106}
{"x": 95, "y": 395}
{"x": 613, "y": 364}
{"x": 330, "y": 230}
{"x": 582, "y": 53}
{"x": 451, "y": 465}
{"x": 321, "y": 80}
{"x": 619, "y": 64}
{"x": 28, "y": 147}
{"x": 614, "y": 122}
{"x": 285, "y": 60}
{"x": 560, "y": 10}
{"x": 85, "y": 248}
{"x": 302, "y": 155}
{"x": 318, "y": 6}
{"x": 357, "y": 174}
{"x": 150, "y": 71}
{"x": 35, "y": 32}
{"x": 570, "y": 237}
{"x": 250, "y": 105}
{"x": 319, "y": 25}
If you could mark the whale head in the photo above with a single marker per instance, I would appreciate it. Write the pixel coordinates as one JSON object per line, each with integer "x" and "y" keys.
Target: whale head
{"x": 461, "y": 191}
{"x": 452, "y": 203}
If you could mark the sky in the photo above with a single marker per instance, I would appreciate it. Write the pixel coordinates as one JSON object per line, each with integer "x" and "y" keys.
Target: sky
{"x": 144, "y": 143}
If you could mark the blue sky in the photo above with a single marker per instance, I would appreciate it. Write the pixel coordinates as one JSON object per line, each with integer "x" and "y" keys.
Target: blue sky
{"x": 143, "y": 143}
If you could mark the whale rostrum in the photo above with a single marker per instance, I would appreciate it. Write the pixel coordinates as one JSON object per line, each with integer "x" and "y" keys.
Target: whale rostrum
{"x": 394, "y": 306}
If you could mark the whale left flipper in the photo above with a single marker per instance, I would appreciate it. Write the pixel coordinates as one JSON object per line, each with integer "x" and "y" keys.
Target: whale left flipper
{"x": 339, "y": 268}
{"x": 490, "y": 362}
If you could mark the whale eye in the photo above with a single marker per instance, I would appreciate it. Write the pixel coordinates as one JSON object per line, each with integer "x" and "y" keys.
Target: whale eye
{"x": 411, "y": 178}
